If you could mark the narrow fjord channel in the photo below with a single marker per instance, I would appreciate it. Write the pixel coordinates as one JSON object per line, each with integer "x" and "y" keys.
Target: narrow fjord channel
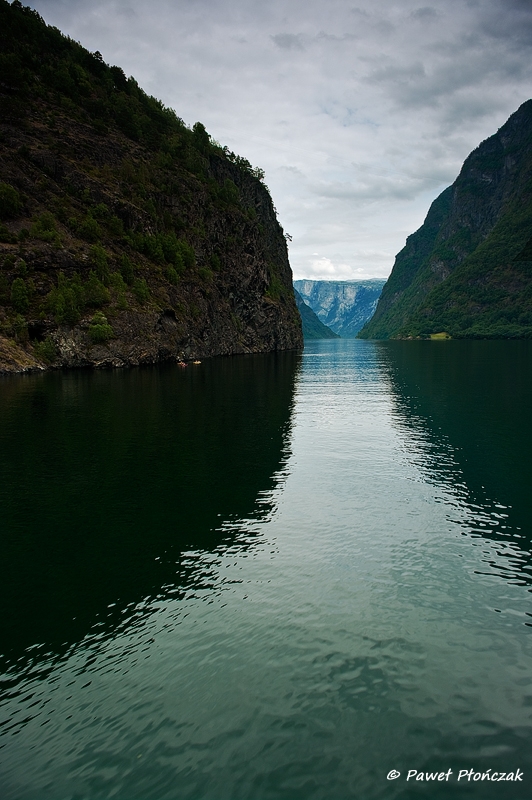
{"x": 270, "y": 577}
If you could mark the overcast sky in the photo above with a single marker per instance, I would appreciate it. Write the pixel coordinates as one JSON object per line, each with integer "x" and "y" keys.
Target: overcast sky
{"x": 360, "y": 112}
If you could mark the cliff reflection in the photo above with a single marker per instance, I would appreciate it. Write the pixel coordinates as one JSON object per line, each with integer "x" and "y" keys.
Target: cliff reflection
{"x": 472, "y": 400}
{"x": 110, "y": 479}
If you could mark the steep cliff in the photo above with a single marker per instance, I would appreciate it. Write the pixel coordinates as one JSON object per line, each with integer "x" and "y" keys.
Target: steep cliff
{"x": 344, "y": 306}
{"x": 313, "y": 328}
{"x": 125, "y": 237}
{"x": 468, "y": 270}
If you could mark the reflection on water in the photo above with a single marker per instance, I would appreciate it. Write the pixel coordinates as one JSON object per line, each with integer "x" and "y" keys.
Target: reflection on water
{"x": 470, "y": 402}
{"x": 287, "y": 580}
{"x": 110, "y": 482}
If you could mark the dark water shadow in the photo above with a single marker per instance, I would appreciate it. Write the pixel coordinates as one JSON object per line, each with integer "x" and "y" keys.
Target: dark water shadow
{"x": 110, "y": 482}
{"x": 473, "y": 401}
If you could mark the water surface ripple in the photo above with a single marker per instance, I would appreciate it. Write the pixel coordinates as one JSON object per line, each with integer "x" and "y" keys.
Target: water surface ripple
{"x": 272, "y": 577}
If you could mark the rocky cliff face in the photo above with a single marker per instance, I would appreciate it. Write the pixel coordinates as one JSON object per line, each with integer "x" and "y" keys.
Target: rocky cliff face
{"x": 344, "y": 306}
{"x": 125, "y": 237}
{"x": 468, "y": 270}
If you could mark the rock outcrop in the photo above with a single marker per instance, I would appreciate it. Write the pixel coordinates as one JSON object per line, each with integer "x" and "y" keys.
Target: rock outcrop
{"x": 125, "y": 237}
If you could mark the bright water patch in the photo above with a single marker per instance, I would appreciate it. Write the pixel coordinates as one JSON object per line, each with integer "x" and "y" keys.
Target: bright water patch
{"x": 269, "y": 577}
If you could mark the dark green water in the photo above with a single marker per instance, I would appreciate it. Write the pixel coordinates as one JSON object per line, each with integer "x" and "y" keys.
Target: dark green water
{"x": 271, "y": 577}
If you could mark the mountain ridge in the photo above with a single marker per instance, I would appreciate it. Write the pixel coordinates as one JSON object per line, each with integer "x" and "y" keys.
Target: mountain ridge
{"x": 344, "y": 306}
{"x": 467, "y": 270}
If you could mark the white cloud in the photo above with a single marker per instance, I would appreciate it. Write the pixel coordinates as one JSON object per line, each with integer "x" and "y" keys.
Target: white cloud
{"x": 359, "y": 115}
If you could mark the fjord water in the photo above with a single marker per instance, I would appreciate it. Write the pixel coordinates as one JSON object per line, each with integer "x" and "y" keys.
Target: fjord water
{"x": 269, "y": 577}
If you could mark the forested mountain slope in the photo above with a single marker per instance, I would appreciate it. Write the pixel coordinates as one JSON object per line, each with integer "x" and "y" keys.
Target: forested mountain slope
{"x": 468, "y": 269}
{"x": 313, "y": 328}
{"x": 125, "y": 237}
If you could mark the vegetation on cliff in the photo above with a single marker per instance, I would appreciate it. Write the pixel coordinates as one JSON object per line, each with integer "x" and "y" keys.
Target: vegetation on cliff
{"x": 468, "y": 270}
{"x": 125, "y": 236}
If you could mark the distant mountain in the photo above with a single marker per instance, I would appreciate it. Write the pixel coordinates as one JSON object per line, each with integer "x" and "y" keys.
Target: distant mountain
{"x": 468, "y": 270}
{"x": 312, "y": 327}
{"x": 344, "y": 306}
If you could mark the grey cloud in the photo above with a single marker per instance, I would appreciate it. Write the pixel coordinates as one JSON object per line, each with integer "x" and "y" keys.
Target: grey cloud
{"x": 384, "y": 26}
{"x": 425, "y": 14}
{"x": 126, "y": 11}
{"x": 293, "y": 171}
{"x": 399, "y": 188}
{"x": 359, "y": 12}
{"x": 288, "y": 41}
{"x": 329, "y": 37}
{"x": 396, "y": 74}
{"x": 473, "y": 65}
{"x": 518, "y": 4}
{"x": 514, "y": 27}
